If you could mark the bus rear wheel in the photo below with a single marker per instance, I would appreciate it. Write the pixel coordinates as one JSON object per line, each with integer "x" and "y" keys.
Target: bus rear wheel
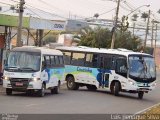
{"x": 91, "y": 87}
{"x": 140, "y": 94}
{"x": 8, "y": 91}
{"x": 71, "y": 85}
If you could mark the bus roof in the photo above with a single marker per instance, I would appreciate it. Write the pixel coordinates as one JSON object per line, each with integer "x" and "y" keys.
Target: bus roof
{"x": 43, "y": 50}
{"x": 119, "y": 51}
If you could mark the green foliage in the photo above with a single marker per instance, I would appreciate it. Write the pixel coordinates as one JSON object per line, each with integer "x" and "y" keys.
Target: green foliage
{"x": 126, "y": 40}
{"x": 50, "y": 38}
{"x": 144, "y": 16}
{"x": 98, "y": 37}
{"x": 101, "y": 38}
{"x": 124, "y": 24}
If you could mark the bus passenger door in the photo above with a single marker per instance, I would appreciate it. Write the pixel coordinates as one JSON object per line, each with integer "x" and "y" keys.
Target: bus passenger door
{"x": 106, "y": 62}
{"x": 105, "y": 81}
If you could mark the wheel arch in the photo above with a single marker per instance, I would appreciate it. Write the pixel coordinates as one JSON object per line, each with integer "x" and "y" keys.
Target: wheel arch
{"x": 69, "y": 75}
{"x": 113, "y": 83}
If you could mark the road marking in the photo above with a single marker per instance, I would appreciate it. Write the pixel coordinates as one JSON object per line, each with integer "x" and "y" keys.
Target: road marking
{"x": 145, "y": 110}
{"x": 30, "y": 105}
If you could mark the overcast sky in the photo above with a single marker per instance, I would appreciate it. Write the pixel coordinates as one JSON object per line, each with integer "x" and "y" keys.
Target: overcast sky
{"x": 87, "y": 8}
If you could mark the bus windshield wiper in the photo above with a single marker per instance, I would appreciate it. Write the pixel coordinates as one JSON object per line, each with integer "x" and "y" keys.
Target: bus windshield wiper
{"x": 11, "y": 67}
{"x": 27, "y": 68}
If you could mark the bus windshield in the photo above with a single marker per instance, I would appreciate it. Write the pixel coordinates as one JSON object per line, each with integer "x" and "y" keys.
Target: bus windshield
{"x": 23, "y": 61}
{"x": 142, "y": 67}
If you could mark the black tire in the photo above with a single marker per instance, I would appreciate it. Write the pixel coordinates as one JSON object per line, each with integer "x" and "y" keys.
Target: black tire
{"x": 56, "y": 89}
{"x": 8, "y": 91}
{"x": 30, "y": 92}
{"x": 140, "y": 94}
{"x": 71, "y": 85}
{"x": 41, "y": 92}
{"x": 91, "y": 87}
{"x": 116, "y": 89}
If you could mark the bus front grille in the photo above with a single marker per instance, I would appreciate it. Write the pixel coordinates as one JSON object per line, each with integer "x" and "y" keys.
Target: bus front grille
{"x": 19, "y": 83}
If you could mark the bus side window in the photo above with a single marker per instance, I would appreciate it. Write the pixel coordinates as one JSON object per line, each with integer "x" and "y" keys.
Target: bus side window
{"x": 88, "y": 62}
{"x": 61, "y": 60}
{"x": 121, "y": 67}
{"x": 95, "y": 60}
{"x": 48, "y": 62}
{"x": 52, "y": 61}
{"x": 67, "y": 57}
{"x": 56, "y": 60}
{"x": 113, "y": 63}
{"x": 101, "y": 62}
{"x": 78, "y": 59}
{"x": 43, "y": 63}
{"x": 108, "y": 62}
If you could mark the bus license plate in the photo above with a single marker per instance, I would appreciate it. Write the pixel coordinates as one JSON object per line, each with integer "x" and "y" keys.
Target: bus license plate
{"x": 19, "y": 84}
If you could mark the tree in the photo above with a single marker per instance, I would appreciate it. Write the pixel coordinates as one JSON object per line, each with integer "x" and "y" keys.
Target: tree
{"x": 101, "y": 38}
{"x": 96, "y": 15}
{"x": 124, "y": 24}
{"x": 144, "y": 16}
{"x": 50, "y": 39}
{"x": 98, "y": 37}
{"x": 126, "y": 40}
{"x": 134, "y": 17}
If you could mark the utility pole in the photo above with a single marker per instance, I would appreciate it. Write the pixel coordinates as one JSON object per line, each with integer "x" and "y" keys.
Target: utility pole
{"x": 19, "y": 30}
{"x": 115, "y": 25}
{"x": 133, "y": 28}
{"x": 145, "y": 40}
{"x": 152, "y": 34}
{"x": 155, "y": 44}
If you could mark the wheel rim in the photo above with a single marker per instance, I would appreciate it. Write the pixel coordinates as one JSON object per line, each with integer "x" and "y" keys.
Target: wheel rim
{"x": 70, "y": 83}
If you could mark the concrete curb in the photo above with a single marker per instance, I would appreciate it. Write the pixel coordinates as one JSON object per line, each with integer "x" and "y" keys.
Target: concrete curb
{"x": 147, "y": 109}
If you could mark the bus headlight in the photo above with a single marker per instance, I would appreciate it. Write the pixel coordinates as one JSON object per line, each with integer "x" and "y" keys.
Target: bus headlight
{"x": 5, "y": 78}
{"x": 154, "y": 84}
{"x": 35, "y": 79}
{"x": 131, "y": 82}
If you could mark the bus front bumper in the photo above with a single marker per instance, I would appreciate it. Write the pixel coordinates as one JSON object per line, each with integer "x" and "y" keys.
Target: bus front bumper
{"x": 146, "y": 87}
{"x": 31, "y": 85}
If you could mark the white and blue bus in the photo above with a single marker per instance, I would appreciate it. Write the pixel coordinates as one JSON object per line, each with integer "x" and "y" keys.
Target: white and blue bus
{"x": 118, "y": 70}
{"x": 33, "y": 69}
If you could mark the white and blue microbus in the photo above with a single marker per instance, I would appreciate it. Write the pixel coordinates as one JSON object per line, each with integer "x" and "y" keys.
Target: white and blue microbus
{"x": 33, "y": 69}
{"x": 118, "y": 70}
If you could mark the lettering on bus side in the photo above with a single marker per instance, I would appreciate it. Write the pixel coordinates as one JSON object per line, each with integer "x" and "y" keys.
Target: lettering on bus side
{"x": 84, "y": 69}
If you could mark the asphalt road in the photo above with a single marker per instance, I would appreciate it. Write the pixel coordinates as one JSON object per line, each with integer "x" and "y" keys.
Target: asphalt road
{"x": 78, "y": 102}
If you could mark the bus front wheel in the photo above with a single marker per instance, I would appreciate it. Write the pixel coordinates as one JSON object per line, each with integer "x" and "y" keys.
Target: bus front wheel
{"x": 8, "y": 91}
{"x": 71, "y": 85}
{"x": 140, "y": 94}
{"x": 41, "y": 92}
{"x": 116, "y": 88}
{"x": 56, "y": 89}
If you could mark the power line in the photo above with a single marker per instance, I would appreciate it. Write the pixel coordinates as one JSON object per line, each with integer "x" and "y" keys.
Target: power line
{"x": 104, "y": 12}
{"x": 52, "y": 6}
{"x": 59, "y": 8}
{"x": 46, "y": 12}
{"x": 34, "y": 12}
{"x": 124, "y": 7}
{"x": 107, "y": 11}
{"x": 127, "y": 4}
{"x": 5, "y": 3}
